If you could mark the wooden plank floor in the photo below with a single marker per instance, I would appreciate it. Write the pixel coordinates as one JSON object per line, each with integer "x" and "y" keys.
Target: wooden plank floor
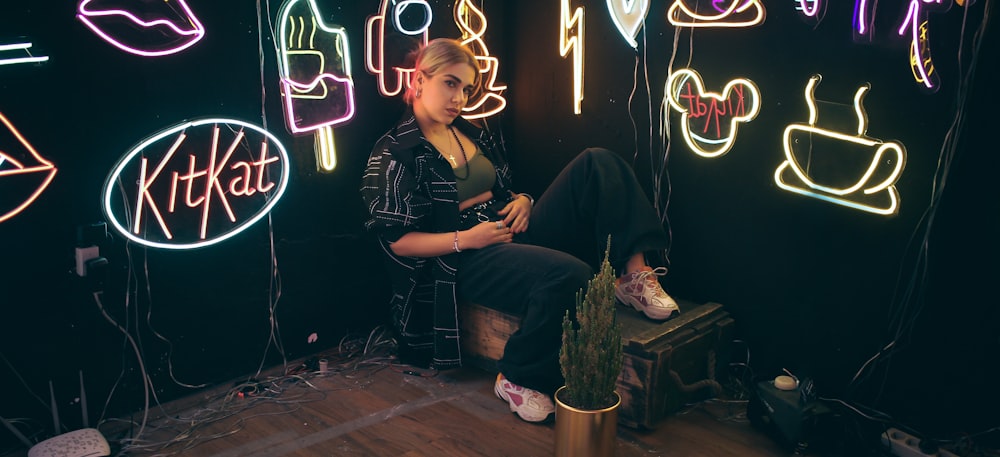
{"x": 381, "y": 411}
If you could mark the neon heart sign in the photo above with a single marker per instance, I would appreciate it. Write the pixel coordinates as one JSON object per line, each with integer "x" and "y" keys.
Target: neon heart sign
{"x": 628, "y": 16}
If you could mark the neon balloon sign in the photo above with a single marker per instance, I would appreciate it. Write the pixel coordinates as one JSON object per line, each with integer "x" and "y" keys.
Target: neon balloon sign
{"x": 628, "y": 17}
{"x": 167, "y": 192}
{"x": 158, "y": 28}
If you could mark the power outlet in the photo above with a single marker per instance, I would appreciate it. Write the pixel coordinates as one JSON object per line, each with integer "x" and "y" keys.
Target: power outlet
{"x": 84, "y": 255}
{"x": 903, "y": 444}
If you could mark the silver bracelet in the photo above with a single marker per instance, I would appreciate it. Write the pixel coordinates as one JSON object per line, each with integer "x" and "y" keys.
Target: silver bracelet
{"x": 456, "y": 242}
{"x": 530, "y": 198}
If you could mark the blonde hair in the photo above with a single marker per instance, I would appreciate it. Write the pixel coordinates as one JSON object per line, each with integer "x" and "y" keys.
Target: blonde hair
{"x": 438, "y": 53}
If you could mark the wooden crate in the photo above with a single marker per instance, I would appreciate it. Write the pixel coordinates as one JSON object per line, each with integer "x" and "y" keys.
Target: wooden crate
{"x": 667, "y": 364}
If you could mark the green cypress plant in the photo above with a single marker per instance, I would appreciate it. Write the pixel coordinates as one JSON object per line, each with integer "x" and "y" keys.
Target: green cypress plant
{"x": 591, "y": 354}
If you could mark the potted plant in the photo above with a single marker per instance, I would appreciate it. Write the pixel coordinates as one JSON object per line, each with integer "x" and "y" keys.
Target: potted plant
{"x": 591, "y": 362}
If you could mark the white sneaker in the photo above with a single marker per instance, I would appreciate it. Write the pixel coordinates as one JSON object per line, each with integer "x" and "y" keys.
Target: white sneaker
{"x": 530, "y": 405}
{"x": 641, "y": 290}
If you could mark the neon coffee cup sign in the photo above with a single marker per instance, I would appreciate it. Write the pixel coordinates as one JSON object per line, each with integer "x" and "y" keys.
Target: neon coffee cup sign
{"x": 196, "y": 183}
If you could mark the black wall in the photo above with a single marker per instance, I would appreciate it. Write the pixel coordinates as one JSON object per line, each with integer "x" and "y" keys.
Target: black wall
{"x": 814, "y": 287}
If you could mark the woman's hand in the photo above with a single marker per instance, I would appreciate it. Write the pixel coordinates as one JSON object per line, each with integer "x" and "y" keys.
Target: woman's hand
{"x": 486, "y": 233}
{"x": 516, "y": 214}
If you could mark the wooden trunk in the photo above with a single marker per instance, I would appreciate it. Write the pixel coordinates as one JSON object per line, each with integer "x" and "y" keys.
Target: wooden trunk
{"x": 667, "y": 364}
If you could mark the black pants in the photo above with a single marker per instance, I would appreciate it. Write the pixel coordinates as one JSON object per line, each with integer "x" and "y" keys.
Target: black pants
{"x": 538, "y": 276}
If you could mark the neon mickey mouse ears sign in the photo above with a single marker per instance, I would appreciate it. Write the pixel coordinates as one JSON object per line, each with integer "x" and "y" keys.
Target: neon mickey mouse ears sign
{"x": 196, "y": 183}
{"x": 144, "y": 27}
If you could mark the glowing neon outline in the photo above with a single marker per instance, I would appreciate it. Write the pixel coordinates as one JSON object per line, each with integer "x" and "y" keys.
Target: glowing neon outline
{"x": 716, "y": 20}
{"x": 44, "y": 166}
{"x": 292, "y": 89}
{"x": 378, "y": 20}
{"x": 575, "y": 44}
{"x": 629, "y": 31}
{"x": 673, "y": 85}
{"x": 398, "y": 10}
{"x": 109, "y": 185}
{"x": 488, "y": 65}
{"x": 806, "y": 10}
{"x": 860, "y": 138}
{"x": 198, "y": 31}
{"x": 25, "y": 46}
{"x": 914, "y": 19}
{"x": 862, "y": 22}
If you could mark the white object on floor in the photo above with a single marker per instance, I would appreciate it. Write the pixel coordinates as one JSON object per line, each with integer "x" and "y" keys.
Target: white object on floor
{"x": 86, "y": 442}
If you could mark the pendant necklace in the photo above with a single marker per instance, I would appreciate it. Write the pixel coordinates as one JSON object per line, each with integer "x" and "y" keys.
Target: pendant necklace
{"x": 452, "y": 156}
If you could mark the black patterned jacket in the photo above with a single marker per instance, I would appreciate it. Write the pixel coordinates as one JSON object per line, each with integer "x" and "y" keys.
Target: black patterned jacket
{"x": 408, "y": 186}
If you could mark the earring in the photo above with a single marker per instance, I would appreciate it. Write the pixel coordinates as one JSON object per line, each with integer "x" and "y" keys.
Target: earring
{"x": 419, "y": 91}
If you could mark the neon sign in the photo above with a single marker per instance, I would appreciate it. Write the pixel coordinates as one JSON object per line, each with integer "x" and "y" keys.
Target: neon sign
{"x": 26, "y": 57}
{"x": 161, "y": 28}
{"x": 488, "y": 102}
{"x": 169, "y": 190}
{"x": 628, "y": 16}
{"x": 710, "y": 120}
{"x": 21, "y": 181}
{"x": 874, "y": 191}
{"x": 915, "y": 22}
{"x": 863, "y": 23}
{"x": 314, "y": 69}
{"x": 572, "y": 41}
{"x": 720, "y": 13}
{"x": 386, "y": 47}
{"x": 811, "y": 10}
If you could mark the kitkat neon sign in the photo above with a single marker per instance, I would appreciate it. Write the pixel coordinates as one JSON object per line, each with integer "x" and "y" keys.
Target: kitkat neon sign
{"x": 873, "y": 165}
{"x": 709, "y": 120}
{"x": 24, "y": 173}
{"x": 146, "y": 28}
{"x": 196, "y": 184}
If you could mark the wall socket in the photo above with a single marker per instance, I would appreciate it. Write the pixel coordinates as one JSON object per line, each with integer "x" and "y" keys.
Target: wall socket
{"x": 903, "y": 444}
{"x": 84, "y": 255}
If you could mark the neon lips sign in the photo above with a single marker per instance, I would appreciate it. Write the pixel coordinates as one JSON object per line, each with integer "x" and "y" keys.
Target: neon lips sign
{"x": 147, "y": 28}
{"x": 196, "y": 184}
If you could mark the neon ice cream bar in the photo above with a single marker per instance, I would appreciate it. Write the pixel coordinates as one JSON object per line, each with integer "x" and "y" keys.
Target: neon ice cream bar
{"x": 314, "y": 68}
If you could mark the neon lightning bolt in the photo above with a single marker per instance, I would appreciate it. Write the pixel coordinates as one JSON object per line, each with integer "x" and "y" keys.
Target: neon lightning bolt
{"x": 573, "y": 42}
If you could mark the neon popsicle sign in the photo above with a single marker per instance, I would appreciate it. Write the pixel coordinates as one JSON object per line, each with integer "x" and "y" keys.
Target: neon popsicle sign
{"x": 884, "y": 168}
{"x": 314, "y": 68}
{"x": 21, "y": 181}
{"x": 168, "y": 191}
{"x": 133, "y": 29}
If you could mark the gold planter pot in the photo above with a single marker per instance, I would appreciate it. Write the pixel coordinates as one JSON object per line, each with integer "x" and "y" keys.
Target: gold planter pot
{"x": 586, "y": 433}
